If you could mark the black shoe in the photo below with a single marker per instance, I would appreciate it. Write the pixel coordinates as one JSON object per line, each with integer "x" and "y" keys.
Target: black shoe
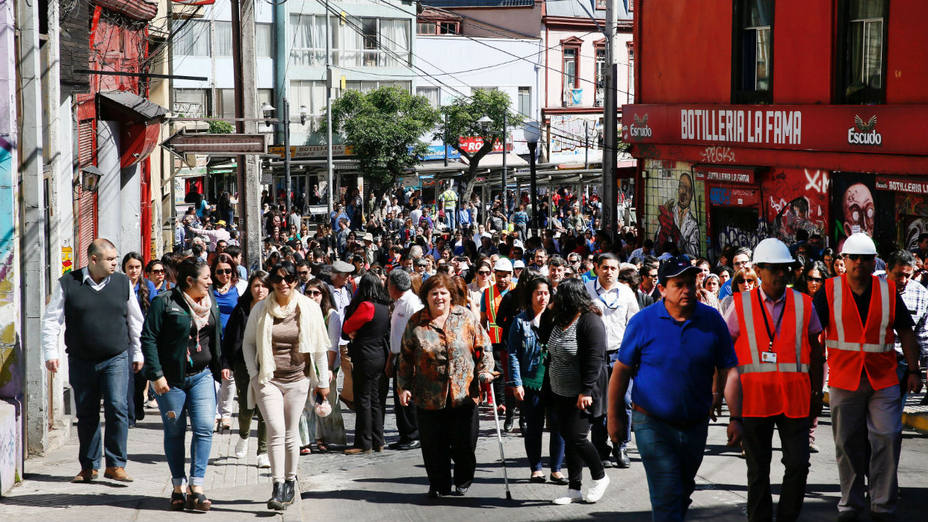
{"x": 621, "y": 458}
{"x": 560, "y": 481}
{"x": 435, "y": 494}
{"x": 459, "y": 491}
{"x": 139, "y": 412}
{"x": 276, "y": 502}
{"x": 288, "y": 492}
{"x": 507, "y": 425}
{"x": 848, "y": 516}
{"x": 607, "y": 463}
{"x": 410, "y": 445}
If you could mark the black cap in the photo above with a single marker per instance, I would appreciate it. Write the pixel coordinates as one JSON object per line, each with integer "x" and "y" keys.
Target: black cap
{"x": 675, "y": 267}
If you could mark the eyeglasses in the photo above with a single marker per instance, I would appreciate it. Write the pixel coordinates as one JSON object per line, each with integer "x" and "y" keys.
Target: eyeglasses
{"x": 860, "y": 257}
{"x": 313, "y": 293}
{"x": 303, "y": 272}
{"x": 223, "y": 271}
{"x": 276, "y": 279}
{"x": 157, "y": 271}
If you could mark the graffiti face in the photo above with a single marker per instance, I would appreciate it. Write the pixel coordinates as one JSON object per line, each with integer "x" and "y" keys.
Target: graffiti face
{"x": 685, "y": 191}
{"x": 858, "y": 209}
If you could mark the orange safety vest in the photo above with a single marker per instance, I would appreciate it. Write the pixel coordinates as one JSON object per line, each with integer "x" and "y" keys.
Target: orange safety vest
{"x": 854, "y": 347}
{"x": 492, "y": 298}
{"x": 780, "y": 387}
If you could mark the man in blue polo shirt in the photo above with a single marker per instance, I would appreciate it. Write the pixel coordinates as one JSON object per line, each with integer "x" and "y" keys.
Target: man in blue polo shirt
{"x": 672, "y": 350}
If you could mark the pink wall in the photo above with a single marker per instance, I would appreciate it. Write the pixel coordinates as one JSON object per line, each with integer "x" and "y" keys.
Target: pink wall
{"x": 587, "y": 64}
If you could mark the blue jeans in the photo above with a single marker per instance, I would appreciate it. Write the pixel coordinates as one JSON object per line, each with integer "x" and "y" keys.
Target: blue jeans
{"x": 449, "y": 218}
{"x": 197, "y": 398}
{"x": 901, "y": 368}
{"x": 91, "y": 381}
{"x": 533, "y": 408}
{"x": 671, "y": 457}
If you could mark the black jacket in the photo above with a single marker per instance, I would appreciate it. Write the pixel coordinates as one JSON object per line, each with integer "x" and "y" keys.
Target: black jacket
{"x": 235, "y": 331}
{"x": 591, "y": 355}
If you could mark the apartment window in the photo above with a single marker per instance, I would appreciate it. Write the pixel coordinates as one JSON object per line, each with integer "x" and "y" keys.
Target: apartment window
{"x": 223, "y": 39}
{"x": 449, "y": 28}
{"x": 308, "y": 40}
{"x": 225, "y": 103}
{"x": 753, "y": 51}
{"x": 308, "y": 93}
{"x": 630, "y": 95}
{"x": 861, "y": 54}
{"x": 193, "y": 39}
{"x": 432, "y": 94}
{"x": 371, "y": 42}
{"x": 600, "y": 73}
{"x": 191, "y": 103}
{"x": 264, "y": 40}
{"x": 570, "y": 70}
{"x": 525, "y": 101}
{"x": 426, "y": 28}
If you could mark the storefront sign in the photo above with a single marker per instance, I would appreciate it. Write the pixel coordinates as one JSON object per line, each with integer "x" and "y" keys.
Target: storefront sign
{"x": 311, "y": 151}
{"x": 834, "y": 128}
{"x": 471, "y": 144}
{"x": 733, "y": 197}
{"x": 67, "y": 259}
{"x": 724, "y": 174}
{"x": 911, "y": 186}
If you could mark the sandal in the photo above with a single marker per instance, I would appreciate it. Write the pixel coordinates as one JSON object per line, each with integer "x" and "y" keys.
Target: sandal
{"x": 178, "y": 500}
{"x": 305, "y": 450}
{"x": 198, "y": 501}
{"x": 321, "y": 446}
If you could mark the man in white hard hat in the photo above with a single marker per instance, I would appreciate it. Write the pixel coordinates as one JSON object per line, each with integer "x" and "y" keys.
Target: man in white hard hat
{"x": 780, "y": 365}
{"x": 489, "y": 306}
{"x": 862, "y": 315}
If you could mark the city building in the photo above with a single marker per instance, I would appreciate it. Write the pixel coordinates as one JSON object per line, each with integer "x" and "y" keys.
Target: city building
{"x": 765, "y": 118}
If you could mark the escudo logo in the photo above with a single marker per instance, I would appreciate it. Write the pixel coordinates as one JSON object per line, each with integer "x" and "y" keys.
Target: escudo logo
{"x": 864, "y": 133}
{"x": 640, "y": 128}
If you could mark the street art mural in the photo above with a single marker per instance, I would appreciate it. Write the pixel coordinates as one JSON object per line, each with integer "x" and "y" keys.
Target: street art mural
{"x": 794, "y": 200}
{"x": 10, "y": 376}
{"x": 674, "y": 204}
{"x": 856, "y": 206}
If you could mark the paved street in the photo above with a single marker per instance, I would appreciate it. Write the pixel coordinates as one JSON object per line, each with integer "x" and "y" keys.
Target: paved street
{"x": 392, "y": 485}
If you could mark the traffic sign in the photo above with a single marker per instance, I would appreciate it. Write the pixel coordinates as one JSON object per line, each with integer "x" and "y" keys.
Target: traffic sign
{"x": 220, "y": 144}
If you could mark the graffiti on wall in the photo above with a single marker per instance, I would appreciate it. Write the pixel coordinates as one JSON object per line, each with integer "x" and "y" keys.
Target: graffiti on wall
{"x": 675, "y": 206}
{"x": 796, "y": 199}
{"x": 10, "y": 385}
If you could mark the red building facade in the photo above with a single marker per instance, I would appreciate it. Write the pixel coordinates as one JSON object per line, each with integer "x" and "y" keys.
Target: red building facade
{"x": 760, "y": 118}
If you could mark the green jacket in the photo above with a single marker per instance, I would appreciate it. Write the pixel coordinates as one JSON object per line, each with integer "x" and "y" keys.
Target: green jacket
{"x": 165, "y": 336}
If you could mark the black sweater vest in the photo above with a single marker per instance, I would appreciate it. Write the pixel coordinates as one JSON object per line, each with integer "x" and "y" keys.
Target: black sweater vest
{"x": 95, "y": 322}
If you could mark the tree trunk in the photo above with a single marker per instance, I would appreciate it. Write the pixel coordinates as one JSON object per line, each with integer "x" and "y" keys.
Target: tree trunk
{"x": 470, "y": 179}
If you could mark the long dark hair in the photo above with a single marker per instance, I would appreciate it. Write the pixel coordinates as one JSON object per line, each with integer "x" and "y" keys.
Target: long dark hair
{"x": 245, "y": 299}
{"x": 326, "y": 303}
{"x": 528, "y": 283}
{"x": 225, "y": 259}
{"x": 370, "y": 288}
{"x": 189, "y": 267}
{"x": 143, "y": 293}
{"x": 571, "y": 298}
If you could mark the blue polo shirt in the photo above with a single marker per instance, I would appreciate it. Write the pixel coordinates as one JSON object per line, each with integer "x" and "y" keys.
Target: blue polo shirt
{"x": 674, "y": 361}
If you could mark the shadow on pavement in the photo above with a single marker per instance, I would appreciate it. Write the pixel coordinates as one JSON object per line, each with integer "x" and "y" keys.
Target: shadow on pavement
{"x": 90, "y": 498}
{"x": 419, "y": 499}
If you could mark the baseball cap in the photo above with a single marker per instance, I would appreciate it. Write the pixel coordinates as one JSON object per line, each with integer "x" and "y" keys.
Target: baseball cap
{"x": 675, "y": 267}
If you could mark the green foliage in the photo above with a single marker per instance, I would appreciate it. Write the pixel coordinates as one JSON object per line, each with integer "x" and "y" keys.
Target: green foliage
{"x": 221, "y": 127}
{"x": 462, "y": 119}
{"x": 384, "y": 127}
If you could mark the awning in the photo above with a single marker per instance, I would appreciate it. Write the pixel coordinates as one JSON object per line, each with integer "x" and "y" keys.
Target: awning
{"x": 495, "y": 161}
{"x": 126, "y": 106}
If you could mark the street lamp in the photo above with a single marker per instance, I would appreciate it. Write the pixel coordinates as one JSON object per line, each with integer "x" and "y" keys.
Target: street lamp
{"x": 268, "y": 111}
{"x": 303, "y": 113}
{"x": 532, "y": 133}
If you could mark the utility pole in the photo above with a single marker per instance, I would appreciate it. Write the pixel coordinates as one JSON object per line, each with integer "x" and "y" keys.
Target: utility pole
{"x": 246, "y": 99}
{"x": 586, "y": 145}
{"x": 610, "y": 124}
{"x": 285, "y": 121}
{"x": 330, "y": 170}
{"x": 505, "y": 206}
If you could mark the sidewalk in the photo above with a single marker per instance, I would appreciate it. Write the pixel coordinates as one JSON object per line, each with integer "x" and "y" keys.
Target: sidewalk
{"x": 238, "y": 489}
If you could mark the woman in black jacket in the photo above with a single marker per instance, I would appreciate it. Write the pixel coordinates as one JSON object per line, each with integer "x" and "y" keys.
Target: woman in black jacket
{"x": 180, "y": 342}
{"x": 368, "y": 325}
{"x": 233, "y": 364}
{"x": 576, "y": 341}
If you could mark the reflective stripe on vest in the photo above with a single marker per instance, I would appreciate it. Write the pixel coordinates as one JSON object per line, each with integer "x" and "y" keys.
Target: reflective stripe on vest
{"x": 496, "y": 332}
{"x": 838, "y": 304}
{"x": 760, "y": 367}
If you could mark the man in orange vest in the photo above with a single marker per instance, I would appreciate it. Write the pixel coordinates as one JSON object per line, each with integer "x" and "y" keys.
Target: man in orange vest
{"x": 859, "y": 312}
{"x": 489, "y": 306}
{"x": 780, "y": 364}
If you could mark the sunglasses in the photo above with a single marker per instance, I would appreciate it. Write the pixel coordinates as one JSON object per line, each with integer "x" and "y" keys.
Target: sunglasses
{"x": 753, "y": 281}
{"x": 223, "y": 271}
{"x": 157, "y": 271}
{"x": 276, "y": 279}
{"x": 816, "y": 279}
{"x": 303, "y": 272}
{"x": 860, "y": 257}
{"x": 483, "y": 272}
{"x": 313, "y": 293}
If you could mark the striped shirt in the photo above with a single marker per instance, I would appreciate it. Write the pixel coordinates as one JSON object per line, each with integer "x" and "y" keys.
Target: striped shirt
{"x": 564, "y": 371}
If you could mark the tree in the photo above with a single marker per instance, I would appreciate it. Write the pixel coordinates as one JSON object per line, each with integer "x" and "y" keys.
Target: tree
{"x": 384, "y": 127}
{"x": 461, "y": 119}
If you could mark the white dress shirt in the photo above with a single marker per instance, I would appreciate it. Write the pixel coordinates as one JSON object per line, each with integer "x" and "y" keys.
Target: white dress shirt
{"x": 618, "y": 305}
{"x": 403, "y": 309}
{"x": 54, "y": 320}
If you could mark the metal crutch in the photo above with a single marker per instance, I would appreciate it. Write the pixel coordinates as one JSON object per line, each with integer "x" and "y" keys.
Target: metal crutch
{"x": 499, "y": 438}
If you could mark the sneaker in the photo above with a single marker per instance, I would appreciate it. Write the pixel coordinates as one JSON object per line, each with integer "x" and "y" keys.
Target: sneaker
{"x": 813, "y": 448}
{"x": 573, "y": 495}
{"x": 263, "y": 460}
{"x": 597, "y": 490}
{"x": 241, "y": 448}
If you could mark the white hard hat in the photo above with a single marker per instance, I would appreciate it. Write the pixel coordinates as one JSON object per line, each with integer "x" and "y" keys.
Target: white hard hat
{"x": 503, "y": 265}
{"x": 859, "y": 243}
{"x": 772, "y": 251}
{"x": 518, "y": 264}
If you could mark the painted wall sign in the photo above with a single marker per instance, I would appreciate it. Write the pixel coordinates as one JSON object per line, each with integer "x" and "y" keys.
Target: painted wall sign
{"x": 834, "y": 128}
{"x": 911, "y": 186}
{"x": 724, "y": 174}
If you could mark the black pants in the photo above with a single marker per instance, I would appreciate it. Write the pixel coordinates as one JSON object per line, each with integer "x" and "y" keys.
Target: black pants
{"x": 368, "y": 379}
{"x": 406, "y": 423}
{"x": 574, "y": 426}
{"x": 449, "y": 434}
{"x": 757, "y": 442}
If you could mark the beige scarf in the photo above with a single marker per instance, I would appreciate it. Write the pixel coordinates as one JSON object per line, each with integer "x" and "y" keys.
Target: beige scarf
{"x": 201, "y": 310}
{"x": 313, "y": 338}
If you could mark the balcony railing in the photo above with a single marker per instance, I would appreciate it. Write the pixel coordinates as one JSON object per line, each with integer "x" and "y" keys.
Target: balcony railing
{"x": 350, "y": 58}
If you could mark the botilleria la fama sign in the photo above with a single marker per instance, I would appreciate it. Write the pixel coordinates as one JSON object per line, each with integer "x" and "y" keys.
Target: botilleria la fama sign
{"x": 832, "y": 128}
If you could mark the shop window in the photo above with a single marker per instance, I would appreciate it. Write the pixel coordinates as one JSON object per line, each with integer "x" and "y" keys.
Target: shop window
{"x": 752, "y": 56}
{"x": 861, "y": 51}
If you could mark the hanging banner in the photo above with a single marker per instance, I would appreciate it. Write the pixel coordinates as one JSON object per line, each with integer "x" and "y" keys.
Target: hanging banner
{"x": 67, "y": 259}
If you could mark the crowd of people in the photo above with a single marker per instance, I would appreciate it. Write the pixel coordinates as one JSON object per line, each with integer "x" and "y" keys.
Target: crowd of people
{"x": 450, "y": 300}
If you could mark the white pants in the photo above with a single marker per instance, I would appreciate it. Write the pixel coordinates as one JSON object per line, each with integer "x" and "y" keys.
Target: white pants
{"x": 281, "y": 405}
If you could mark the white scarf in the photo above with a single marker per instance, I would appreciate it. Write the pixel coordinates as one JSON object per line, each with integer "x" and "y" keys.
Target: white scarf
{"x": 199, "y": 310}
{"x": 313, "y": 337}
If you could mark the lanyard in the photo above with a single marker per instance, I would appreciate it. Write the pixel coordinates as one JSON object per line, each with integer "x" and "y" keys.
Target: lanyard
{"x": 615, "y": 301}
{"x": 763, "y": 311}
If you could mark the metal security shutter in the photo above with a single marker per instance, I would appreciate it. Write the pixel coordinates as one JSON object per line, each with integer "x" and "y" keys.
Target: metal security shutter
{"x": 86, "y": 201}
